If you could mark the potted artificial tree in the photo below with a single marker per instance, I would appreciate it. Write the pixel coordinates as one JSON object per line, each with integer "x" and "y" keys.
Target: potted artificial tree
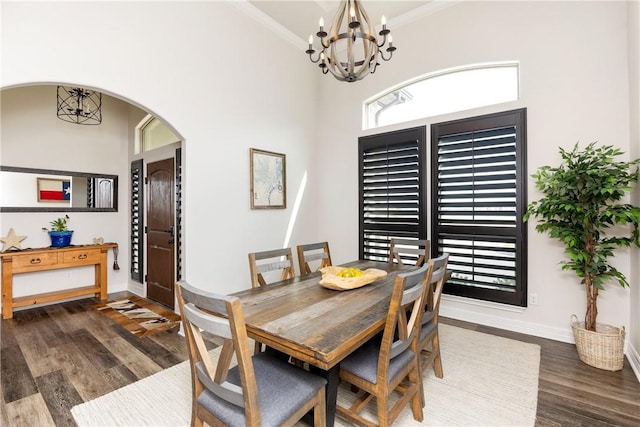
{"x": 59, "y": 233}
{"x": 583, "y": 206}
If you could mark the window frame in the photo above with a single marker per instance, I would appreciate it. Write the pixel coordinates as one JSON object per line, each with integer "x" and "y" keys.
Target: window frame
{"x": 516, "y": 118}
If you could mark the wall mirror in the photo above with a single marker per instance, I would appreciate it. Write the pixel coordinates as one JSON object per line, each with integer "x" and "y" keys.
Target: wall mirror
{"x": 45, "y": 190}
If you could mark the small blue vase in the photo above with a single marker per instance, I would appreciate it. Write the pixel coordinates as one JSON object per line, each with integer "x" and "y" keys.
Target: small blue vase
{"x": 60, "y": 239}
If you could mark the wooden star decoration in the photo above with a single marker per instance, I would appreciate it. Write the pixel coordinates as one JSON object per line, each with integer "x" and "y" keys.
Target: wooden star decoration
{"x": 11, "y": 241}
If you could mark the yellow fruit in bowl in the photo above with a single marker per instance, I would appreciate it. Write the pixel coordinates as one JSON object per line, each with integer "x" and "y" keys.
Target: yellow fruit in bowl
{"x": 350, "y": 272}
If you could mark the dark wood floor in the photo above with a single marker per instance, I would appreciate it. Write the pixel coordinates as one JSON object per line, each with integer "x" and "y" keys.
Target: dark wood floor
{"x": 55, "y": 357}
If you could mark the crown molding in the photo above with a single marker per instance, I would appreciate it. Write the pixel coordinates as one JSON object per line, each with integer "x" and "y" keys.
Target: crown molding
{"x": 264, "y": 19}
{"x": 428, "y": 9}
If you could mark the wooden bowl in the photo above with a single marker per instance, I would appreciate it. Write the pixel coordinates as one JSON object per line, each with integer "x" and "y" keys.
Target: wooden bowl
{"x": 331, "y": 280}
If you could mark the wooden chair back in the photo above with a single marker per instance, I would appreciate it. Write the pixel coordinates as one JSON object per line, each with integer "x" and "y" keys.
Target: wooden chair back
{"x": 405, "y": 250}
{"x": 429, "y": 340}
{"x": 266, "y": 261}
{"x": 436, "y": 284}
{"x": 196, "y": 308}
{"x": 399, "y": 340}
{"x": 313, "y": 252}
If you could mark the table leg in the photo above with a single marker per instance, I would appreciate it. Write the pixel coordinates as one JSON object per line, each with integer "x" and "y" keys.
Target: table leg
{"x": 333, "y": 380}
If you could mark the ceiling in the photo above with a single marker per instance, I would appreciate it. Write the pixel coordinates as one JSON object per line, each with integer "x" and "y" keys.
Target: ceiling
{"x": 301, "y": 16}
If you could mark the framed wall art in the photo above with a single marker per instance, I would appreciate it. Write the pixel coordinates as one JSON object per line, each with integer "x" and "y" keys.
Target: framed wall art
{"x": 54, "y": 190}
{"x": 268, "y": 179}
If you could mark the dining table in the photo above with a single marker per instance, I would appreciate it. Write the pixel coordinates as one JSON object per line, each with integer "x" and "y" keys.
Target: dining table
{"x": 300, "y": 318}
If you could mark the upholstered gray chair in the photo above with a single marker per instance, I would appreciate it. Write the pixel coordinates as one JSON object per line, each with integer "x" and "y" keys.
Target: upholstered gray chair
{"x": 260, "y": 389}
{"x": 381, "y": 366}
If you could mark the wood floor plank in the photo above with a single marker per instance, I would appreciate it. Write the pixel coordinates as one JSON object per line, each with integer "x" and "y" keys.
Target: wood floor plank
{"x": 39, "y": 356}
{"x": 599, "y": 402}
{"x": 150, "y": 348}
{"x": 570, "y": 412}
{"x": 93, "y": 349}
{"x": 120, "y": 376}
{"x": 59, "y": 395}
{"x": 7, "y": 332}
{"x": 87, "y": 380}
{"x": 29, "y": 411}
{"x": 17, "y": 382}
{"x": 131, "y": 357}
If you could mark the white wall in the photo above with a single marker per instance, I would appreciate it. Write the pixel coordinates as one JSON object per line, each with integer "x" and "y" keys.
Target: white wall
{"x": 32, "y": 136}
{"x": 221, "y": 81}
{"x": 634, "y": 107}
{"x": 574, "y": 84}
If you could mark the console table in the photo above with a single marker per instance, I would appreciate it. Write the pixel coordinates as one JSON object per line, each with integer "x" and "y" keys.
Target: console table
{"x": 44, "y": 259}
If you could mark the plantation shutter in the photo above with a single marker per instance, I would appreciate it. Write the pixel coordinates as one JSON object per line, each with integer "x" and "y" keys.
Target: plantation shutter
{"x": 392, "y": 190}
{"x": 479, "y": 200}
{"x": 137, "y": 223}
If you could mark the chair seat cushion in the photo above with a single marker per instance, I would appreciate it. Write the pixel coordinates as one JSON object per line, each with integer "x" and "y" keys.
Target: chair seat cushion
{"x": 282, "y": 389}
{"x": 364, "y": 362}
{"x": 427, "y": 329}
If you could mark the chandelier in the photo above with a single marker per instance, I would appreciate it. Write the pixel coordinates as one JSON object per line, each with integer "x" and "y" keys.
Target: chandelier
{"x": 350, "y": 50}
{"x": 79, "y": 106}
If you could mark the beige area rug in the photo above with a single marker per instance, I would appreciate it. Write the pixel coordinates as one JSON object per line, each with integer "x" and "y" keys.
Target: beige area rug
{"x": 488, "y": 381}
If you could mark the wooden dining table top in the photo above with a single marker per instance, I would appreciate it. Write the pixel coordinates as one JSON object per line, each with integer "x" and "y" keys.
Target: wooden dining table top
{"x": 319, "y": 326}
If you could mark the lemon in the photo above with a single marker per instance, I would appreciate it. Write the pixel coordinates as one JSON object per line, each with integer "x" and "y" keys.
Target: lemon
{"x": 350, "y": 272}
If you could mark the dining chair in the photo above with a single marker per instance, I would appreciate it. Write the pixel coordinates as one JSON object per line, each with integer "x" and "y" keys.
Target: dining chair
{"x": 382, "y": 366}
{"x": 313, "y": 252}
{"x": 258, "y": 390}
{"x": 429, "y": 342}
{"x": 268, "y": 261}
{"x": 404, "y": 250}
{"x": 264, "y": 262}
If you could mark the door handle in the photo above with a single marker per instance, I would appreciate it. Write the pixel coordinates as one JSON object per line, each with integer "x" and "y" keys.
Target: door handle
{"x": 170, "y": 241}
{"x": 170, "y": 231}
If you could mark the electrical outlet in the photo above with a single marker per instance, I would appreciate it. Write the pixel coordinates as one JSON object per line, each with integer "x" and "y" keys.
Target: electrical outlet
{"x": 533, "y": 299}
{"x": 69, "y": 275}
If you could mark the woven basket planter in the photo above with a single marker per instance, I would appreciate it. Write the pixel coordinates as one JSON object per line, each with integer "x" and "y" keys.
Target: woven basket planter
{"x": 603, "y": 349}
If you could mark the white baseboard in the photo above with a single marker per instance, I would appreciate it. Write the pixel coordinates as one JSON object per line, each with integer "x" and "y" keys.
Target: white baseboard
{"x": 634, "y": 359}
{"x": 535, "y": 329}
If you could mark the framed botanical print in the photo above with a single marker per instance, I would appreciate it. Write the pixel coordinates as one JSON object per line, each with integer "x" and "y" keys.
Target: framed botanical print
{"x": 268, "y": 179}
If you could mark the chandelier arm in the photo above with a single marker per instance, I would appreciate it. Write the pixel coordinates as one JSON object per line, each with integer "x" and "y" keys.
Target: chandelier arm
{"x": 387, "y": 58}
{"x": 384, "y": 38}
{"x": 315, "y": 61}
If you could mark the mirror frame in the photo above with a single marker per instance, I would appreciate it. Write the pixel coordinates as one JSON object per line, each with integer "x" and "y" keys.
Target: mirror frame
{"x": 64, "y": 173}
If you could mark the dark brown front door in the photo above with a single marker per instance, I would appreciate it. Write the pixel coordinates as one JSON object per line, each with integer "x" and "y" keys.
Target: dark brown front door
{"x": 160, "y": 232}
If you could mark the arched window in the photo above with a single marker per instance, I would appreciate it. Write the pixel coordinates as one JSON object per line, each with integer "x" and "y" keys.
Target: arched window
{"x": 151, "y": 133}
{"x": 444, "y": 92}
